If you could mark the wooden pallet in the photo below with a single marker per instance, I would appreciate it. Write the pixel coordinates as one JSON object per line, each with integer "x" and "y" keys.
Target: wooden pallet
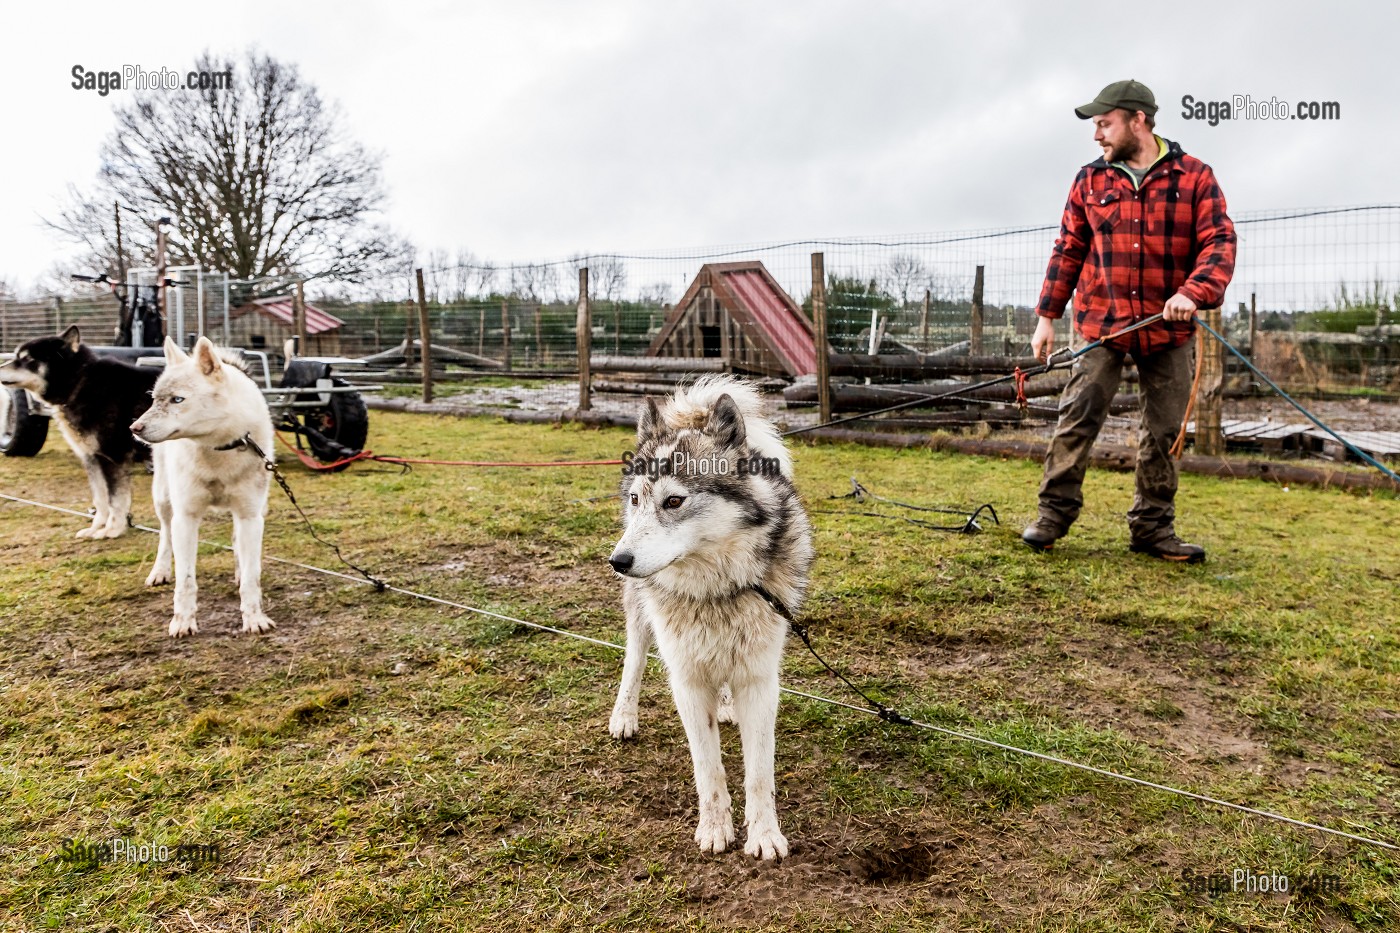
{"x": 1280, "y": 437}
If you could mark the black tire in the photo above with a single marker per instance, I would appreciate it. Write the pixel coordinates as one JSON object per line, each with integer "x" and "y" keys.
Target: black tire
{"x": 344, "y": 423}
{"x": 22, "y": 433}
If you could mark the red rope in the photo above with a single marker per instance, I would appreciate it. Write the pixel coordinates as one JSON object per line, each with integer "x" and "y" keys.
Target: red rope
{"x": 1021, "y": 390}
{"x": 312, "y": 464}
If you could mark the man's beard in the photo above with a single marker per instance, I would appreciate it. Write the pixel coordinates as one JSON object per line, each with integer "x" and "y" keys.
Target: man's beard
{"x": 1125, "y": 151}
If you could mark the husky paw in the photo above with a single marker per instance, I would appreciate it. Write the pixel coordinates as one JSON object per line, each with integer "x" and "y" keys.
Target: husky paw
{"x": 257, "y": 622}
{"x": 111, "y": 531}
{"x": 715, "y": 832}
{"x": 623, "y": 724}
{"x": 766, "y": 841}
{"x": 183, "y": 625}
{"x": 87, "y": 532}
{"x": 725, "y": 713}
{"x": 158, "y": 576}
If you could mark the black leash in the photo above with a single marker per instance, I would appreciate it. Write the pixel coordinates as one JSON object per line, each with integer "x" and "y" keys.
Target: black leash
{"x": 888, "y": 714}
{"x": 271, "y": 466}
{"x": 860, "y": 493}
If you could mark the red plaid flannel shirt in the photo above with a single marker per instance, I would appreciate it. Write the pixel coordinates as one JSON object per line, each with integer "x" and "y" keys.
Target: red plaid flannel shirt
{"x": 1124, "y": 252}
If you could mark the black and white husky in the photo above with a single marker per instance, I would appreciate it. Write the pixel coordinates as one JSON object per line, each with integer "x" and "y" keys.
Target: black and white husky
{"x": 203, "y": 411}
{"x": 94, "y": 401}
{"x": 715, "y": 536}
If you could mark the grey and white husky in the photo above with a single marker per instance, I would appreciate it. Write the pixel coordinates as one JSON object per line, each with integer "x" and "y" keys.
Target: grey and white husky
{"x": 203, "y": 408}
{"x": 715, "y": 538}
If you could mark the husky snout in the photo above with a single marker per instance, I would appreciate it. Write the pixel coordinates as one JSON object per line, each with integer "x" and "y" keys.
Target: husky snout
{"x": 621, "y": 561}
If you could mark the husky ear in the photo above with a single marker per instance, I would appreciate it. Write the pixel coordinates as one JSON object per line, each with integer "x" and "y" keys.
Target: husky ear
{"x": 649, "y": 422}
{"x": 72, "y": 337}
{"x": 726, "y": 424}
{"x": 173, "y": 353}
{"x": 208, "y": 359}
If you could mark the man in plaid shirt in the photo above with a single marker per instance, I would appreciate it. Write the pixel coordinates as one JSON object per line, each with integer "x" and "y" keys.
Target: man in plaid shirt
{"x": 1144, "y": 230}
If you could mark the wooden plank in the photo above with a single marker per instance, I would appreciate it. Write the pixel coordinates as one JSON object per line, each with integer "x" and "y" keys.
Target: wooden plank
{"x": 1242, "y": 430}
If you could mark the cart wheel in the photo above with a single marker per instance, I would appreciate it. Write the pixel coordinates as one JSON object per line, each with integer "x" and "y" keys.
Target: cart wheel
{"x": 339, "y": 430}
{"x": 22, "y": 433}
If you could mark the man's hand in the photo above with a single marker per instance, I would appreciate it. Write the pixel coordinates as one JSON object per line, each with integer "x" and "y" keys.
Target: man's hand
{"x": 1043, "y": 341}
{"x": 1179, "y": 308}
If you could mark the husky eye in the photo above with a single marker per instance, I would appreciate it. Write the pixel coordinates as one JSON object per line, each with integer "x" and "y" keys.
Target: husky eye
{"x": 634, "y": 499}
{"x": 176, "y": 399}
{"x": 673, "y": 502}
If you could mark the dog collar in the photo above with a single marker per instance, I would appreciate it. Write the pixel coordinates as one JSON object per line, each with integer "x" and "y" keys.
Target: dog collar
{"x": 234, "y": 445}
{"x": 772, "y": 600}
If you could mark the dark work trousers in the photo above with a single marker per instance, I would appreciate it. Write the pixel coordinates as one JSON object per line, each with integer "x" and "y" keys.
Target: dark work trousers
{"x": 1164, "y": 380}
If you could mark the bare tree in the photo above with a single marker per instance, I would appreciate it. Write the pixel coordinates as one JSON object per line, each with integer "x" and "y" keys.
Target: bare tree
{"x": 258, "y": 179}
{"x": 905, "y": 271}
{"x": 607, "y": 277}
{"x": 534, "y": 281}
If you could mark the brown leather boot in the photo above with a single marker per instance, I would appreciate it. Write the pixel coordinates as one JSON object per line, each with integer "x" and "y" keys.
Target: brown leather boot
{"x": 1042, "y": 534}
{"x": 1170, "y": 547}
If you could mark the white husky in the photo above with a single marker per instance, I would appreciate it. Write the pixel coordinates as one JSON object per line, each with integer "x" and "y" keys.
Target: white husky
{"x": 203, "y": 408}
{"x": 715, "y": 538}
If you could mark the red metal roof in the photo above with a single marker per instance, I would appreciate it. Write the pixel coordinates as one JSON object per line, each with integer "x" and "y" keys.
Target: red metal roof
{"x": 773, "y": 311}
{"x": 280, "y": 309}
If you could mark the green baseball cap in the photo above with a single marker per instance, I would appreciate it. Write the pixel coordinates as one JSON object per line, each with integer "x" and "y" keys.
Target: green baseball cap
{"x": 1129, "y": 95}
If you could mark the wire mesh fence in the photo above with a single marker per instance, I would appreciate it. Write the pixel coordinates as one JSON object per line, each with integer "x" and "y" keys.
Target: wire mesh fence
{"x": 1314, "y": 299}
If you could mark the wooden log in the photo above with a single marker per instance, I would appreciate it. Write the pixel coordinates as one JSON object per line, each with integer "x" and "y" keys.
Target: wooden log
{"x": 400, "y": 354}
{"x": 658, "y": 364}
{"x": 869, "y": 398}
{"x": 924, "y": 366}
{"x": 1116, "y": 458}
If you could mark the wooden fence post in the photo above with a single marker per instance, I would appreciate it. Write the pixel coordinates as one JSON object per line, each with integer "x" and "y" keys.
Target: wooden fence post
{"x": 819, "y": 337}
{"x": 299, "y": 318}
{"x": 585, "y": 343}
{"x": 539, "y": 336}
{"x": 505, "y": 333}
{"x": 1210, "y": 441}
{"x": 425, "y": 337}
{"x": 974, "y": 333}
{"x": 1253, "y": 327}
{"x": 923, "y": 320}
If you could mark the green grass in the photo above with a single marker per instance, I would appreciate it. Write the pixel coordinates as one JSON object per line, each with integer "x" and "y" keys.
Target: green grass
{"x": 381, "y": 763}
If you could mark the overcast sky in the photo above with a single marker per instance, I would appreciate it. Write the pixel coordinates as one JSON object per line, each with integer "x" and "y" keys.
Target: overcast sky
{"x": 533, "y": 130}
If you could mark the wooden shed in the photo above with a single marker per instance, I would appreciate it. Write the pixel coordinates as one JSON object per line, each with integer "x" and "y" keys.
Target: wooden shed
{"x": 737, "y": 312}
{"x": 267, "y": 323}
